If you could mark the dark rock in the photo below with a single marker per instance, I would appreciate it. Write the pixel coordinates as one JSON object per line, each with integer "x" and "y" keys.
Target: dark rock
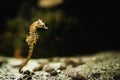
{"x": 27, "y": 72}
{"x": 53, "y": 73}
{"x": 116, "y": 77}
{"x": 96, "y": 75}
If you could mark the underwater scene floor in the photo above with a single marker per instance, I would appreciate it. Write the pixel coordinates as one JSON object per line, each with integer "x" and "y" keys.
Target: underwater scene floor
{"x": 100, "y": 66}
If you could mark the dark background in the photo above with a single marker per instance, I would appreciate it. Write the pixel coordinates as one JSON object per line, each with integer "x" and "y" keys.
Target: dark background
{"x": 94, "y": 33}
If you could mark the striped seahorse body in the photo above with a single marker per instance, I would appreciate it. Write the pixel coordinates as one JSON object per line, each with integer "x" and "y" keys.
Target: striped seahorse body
{"x": 31, "y": 39}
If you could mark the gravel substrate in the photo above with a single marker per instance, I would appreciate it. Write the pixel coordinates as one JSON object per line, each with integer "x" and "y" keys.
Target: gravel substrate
{"x": 101, "y": 66}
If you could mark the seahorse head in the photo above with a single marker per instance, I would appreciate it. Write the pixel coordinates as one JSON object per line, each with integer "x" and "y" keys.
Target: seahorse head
{"x": 41, "y": 24}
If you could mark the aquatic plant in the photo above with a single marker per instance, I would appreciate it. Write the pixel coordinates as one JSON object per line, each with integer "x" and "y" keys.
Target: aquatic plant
{"x": 31, "y": 40}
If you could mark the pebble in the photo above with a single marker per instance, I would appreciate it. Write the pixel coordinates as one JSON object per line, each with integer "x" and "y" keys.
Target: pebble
{"x": 74, "y": 61}
{"x": 76, "y": 76}
{"x": 54, "y": 66}
{"x": 48, "y": 68}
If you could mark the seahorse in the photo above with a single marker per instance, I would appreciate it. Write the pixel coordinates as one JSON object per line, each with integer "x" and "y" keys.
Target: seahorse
{"x": 31, "y": 40}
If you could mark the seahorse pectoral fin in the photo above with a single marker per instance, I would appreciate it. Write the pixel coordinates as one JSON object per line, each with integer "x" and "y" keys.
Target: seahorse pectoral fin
{"x": 27, "y": 38}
